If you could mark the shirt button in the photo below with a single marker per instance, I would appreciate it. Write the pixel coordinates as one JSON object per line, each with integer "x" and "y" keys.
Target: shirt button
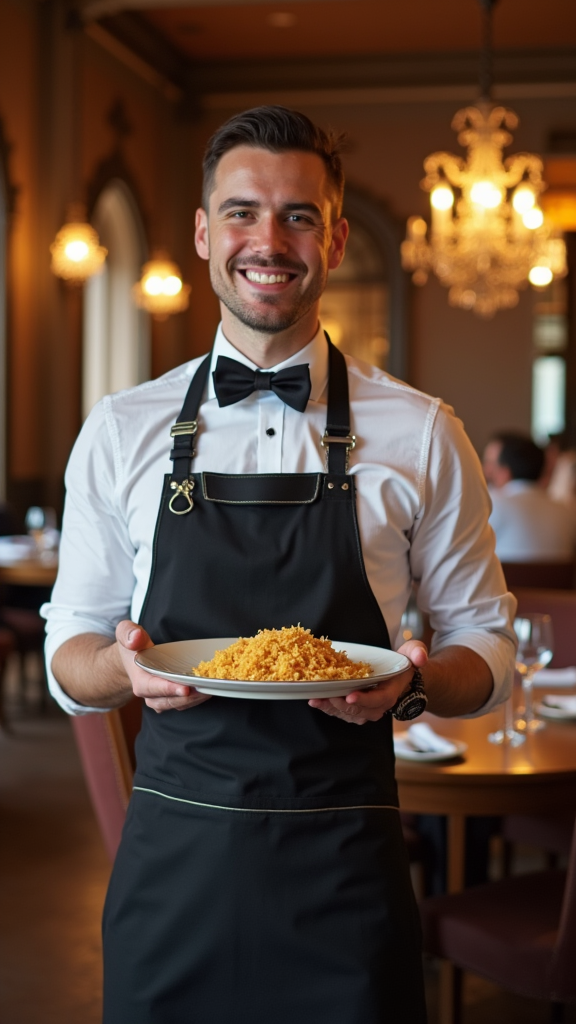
{"x": 270, "y": 432}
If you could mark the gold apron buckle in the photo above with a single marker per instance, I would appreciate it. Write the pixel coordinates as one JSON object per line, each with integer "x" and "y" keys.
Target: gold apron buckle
{"x": 185, "y": 489}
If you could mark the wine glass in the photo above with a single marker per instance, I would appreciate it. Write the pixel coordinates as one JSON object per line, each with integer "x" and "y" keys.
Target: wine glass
{"x": 535, "y": 650}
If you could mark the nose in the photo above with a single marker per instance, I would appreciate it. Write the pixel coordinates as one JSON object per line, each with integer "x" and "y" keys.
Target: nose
{"x": 268, "y": 237}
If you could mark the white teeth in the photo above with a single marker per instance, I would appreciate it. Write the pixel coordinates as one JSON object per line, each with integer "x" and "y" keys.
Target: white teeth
{"x": 253, "y": 275}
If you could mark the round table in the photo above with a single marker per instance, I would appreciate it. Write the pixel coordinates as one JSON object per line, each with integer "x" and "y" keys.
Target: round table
{"x": 29, "y": 572}
{"x": 537, "y": 777}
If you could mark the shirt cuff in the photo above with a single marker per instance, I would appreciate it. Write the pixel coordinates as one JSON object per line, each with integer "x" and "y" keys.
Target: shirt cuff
{"x": 54, "y": 640}
{"x": 498, "y": 651}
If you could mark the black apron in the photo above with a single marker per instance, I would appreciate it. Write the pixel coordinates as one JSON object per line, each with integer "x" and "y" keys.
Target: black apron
{"x": 262, "y": 874}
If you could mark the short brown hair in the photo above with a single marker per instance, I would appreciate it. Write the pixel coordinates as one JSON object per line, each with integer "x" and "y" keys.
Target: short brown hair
{"x": 277, "y": 129}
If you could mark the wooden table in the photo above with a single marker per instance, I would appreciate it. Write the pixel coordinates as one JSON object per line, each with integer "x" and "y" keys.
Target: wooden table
{"x": 29, "y": 572}
{"x": 535, "y": 778}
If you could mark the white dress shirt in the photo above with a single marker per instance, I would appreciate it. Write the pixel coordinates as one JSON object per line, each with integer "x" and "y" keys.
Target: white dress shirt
{"x": 422, "y": 504}
{"x": 530, "y": 526}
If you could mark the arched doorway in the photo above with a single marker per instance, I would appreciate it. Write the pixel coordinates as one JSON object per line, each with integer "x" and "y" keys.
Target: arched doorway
{"x": 364, "y": 304}
{"x": 116, "y": 350}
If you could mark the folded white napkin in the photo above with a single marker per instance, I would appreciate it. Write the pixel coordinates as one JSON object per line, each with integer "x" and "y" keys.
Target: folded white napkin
{"x": 567, "y": 704}
{"x": 555, "y": 677}
{"x": 422, "y": 737}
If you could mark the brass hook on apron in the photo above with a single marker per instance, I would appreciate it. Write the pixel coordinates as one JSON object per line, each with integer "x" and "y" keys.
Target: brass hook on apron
{"x": 185, "y": 489}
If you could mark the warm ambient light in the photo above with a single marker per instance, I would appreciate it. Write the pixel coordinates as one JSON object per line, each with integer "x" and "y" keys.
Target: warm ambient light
{"x": 441, "y": 198}
{"x": 523, "y": 199}
{"x": 485, "y": 194}
{"x": 76, "y": 250}
{"x": 540, "y": 277}
{"x": 493, "y": 238}
{"x": 533, "y": 219}
{"x": 160, "y": 290}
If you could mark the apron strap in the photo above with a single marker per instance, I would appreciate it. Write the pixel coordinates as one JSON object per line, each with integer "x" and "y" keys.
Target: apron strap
{"x": 186, "y": 425}
{"x": 337, "y": 440}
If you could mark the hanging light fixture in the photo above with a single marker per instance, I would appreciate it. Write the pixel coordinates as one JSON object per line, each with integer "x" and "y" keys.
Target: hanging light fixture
{"x": 488, "y": 235}
{"x": 76, "y": 250}
{"x": 160, "y": 290}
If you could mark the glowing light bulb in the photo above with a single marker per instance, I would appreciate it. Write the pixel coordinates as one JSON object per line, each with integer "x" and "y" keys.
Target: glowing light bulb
{"x": 153, "y": 285}
{"x": 523, "y": 199}
{"x": 484, "y": 193}
{"x": 533, "y": 218}
{"x": 442, "y": 197}
{"x": 540, "y": 276}
{"x": 172, "y": 285}
{"x": 76, "y": 250}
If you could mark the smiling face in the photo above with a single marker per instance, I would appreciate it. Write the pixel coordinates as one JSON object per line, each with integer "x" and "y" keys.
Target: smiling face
{"x": 271, "y": 238}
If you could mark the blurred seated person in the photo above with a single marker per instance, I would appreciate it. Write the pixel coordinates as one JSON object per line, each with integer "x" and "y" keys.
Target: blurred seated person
{"x": 529, "y": 525}
{"x": 560, "y": 470}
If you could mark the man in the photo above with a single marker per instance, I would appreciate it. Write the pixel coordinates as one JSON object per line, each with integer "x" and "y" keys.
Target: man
{"x": 261, "y": 874}
{"x": 529, "y": 525}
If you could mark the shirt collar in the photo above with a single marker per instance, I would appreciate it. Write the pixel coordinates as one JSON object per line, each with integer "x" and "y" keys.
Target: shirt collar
{"x": 519, "y": 486}
{"x": 315, "y": 353}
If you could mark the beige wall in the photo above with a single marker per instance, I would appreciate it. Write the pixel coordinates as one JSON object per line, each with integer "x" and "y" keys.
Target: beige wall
{"x": 480, "y": 367}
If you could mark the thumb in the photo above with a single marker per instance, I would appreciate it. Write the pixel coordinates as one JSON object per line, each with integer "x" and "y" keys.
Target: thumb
{"x": 131, "y": 636}
{"x": 416, "y": 651}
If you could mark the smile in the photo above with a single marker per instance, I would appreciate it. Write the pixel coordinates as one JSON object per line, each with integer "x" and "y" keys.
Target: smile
{"x": 259, "y": 277}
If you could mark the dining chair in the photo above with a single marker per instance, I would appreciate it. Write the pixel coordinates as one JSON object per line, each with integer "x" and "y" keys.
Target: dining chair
{"x": 540, "y": 575}
{"x": 106, "y": 746}
{"x": 7, "y": 645}
{"x": 550, "y": 833}
{"x": 519, "y": 933}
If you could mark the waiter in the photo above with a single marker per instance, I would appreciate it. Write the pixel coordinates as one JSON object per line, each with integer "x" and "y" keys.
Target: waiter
{"x": 261, "y": 874}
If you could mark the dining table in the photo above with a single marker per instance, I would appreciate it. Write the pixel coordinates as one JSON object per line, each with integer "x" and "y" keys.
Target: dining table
{"x": 23, "y": 565}
{"x": 536, "y": 777}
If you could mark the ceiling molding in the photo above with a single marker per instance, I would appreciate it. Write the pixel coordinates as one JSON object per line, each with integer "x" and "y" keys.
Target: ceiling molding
{"x": 411, "y": 78}
{"x": 92, "y": 9}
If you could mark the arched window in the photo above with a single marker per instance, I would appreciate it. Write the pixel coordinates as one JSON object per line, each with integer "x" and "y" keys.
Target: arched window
{"x": 116, "y": 351}
{"x": 363, "y": 307}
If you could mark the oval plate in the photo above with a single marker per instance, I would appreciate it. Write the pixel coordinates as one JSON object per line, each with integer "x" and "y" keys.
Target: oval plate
{"x": 175, "y": 661}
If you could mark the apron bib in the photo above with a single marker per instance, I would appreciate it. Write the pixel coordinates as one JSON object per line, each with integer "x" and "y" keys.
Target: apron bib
{"x": 262, "y": 871}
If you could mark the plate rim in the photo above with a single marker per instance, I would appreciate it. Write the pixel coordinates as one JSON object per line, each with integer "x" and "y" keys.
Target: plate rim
{"x": 238, "y": 686}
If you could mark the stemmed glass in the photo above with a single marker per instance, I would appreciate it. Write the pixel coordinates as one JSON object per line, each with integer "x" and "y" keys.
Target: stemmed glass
{"x": 535, "y": 650}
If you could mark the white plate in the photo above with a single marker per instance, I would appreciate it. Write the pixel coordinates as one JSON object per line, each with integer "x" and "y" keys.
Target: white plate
{"x": 405, "y": 751}
{"x": 558, "y": 714}
{"x": 176, "y": 660}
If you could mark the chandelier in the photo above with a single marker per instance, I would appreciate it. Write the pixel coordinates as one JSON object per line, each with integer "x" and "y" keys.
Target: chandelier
{"x": 160, "y": 290}
{"x": 76, "y": 250}
{"x": 488, "y": 235}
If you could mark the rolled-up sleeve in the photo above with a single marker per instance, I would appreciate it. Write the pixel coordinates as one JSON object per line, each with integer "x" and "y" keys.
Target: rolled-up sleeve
{"x": 461, "y": 583}
{"x": 95, "y": 583}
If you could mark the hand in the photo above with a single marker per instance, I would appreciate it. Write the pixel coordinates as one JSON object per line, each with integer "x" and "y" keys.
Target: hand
{"x": 159, "y": 694}
{"x": 363, "y": 706}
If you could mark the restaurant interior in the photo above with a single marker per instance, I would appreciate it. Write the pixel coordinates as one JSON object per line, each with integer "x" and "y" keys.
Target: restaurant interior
{"x": 105, "y": 109}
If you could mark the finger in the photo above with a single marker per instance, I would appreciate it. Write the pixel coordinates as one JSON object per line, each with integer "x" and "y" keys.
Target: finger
{"x": 416, "y": 650}
{"x": 160, "y": 704}
{"x": 132, "y": 636}
{"x": 147, "y": 686}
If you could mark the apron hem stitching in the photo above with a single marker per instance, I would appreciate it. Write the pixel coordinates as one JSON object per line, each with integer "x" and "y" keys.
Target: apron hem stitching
{"x": 268, "y": 810}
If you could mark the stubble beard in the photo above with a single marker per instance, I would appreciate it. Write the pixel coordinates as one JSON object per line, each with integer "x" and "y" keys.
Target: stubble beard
{"x": 271, "y": 320}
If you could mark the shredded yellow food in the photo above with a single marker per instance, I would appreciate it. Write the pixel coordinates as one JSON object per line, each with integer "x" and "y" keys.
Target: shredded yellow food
{"x": 289, "y": 654}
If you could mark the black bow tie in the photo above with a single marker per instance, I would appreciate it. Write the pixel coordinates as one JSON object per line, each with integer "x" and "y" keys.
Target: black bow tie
{"x": 234, "y": 381}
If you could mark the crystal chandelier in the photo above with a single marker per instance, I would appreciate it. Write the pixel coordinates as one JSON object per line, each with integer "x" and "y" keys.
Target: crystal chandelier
{"x": 76, "y": 250}
{"x": 488, "y": 236}
{"x": 160, "y": 290}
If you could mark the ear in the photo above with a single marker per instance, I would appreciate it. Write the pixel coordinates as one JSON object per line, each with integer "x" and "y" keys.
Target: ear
{"x": 340, "y": 233}
{"x": 201, "y": 237}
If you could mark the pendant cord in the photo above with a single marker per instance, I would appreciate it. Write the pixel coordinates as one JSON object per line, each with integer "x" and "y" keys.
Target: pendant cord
{"x": 486, "y": 59}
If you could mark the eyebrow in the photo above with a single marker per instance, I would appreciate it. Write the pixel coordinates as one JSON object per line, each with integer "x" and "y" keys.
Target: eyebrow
{"x": 252, "y": 204}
